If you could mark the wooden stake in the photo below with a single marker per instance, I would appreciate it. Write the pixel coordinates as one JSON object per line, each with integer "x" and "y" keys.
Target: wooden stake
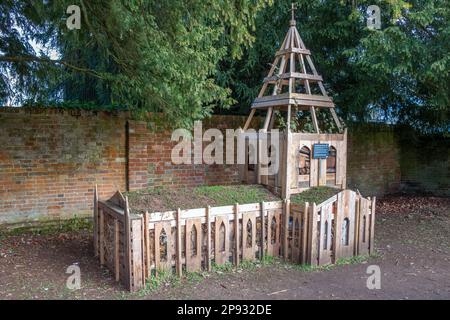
{"x": 249, "y": 119}
{"x": 372, "y": 227}
{"x": 147, "y": 245}
{"x": 313, "y": 235}
{"x": 263, "y": 231}
{"x": 102, "y": 237}
{"x": 208, "y": 238}
{"x": 305, "y": 234}
{"x": 236, "y": 233}
{"x": 286, "y": 229}
{"x": 116, "y": 249}
{"x": 179, "y": 266}
{"x": 127, "y": 235}
{"x": 314, "y": 119}
{"x": 96, "y": 249}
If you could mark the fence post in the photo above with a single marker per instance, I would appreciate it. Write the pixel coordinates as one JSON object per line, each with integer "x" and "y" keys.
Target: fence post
{"x": 96, "y": 246}
{"x": 116, "y": 249}
{"x": 101, "y": 236}
{"x": 286, "y": 229}
{"x": 305, "y": 233}
{"x": 372, "y": 227}
{"x": 179, "y": 266}
{"x": 263, "y": 235}
{"x": 338, "y": 220}
{"x": 236, "y": 233}
{"x": 357, "y": 220}
{"x": 208, "y": 238}
{"x": 313, "y": 235}
{"x": 147, "y": 245}
{"x": 127, "y": 235}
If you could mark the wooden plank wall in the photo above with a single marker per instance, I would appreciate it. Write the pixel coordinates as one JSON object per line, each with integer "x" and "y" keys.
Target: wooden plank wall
{"x": 210, "y": 236}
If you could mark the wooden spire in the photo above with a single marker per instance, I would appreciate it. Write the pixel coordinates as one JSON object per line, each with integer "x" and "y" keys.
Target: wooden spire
{"x": 293, "y": 81}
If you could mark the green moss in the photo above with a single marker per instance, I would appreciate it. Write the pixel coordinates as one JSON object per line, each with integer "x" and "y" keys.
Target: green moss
{"x": 227, "y": 195}
{"x": 314, "y": 195}
{"x": 52, "y": 227}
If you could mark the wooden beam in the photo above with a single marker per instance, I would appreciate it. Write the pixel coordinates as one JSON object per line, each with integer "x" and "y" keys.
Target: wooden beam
{"x": 102, "y": 236}
{"x": 208, "y": 238}
{"x": 292, "y": 50}
{"x": 236, "y": 234}
{"x": 249, "y": 119}
{"x": 127, "y": 235}
{"x": 96, "y": 246}
{"x": 287, "y": 215}
{"x": 179, "y": 265}
{"x": 147, "y": 244}
{"x": 116, "y": 250}
{"x": 372, "y": 227}
{"x": 336, "y": 119}
{"x": 314, "y": 119}
{"x": 295, "y": 75}
{"x": 268, "y": 117}
{"x": 263, "y": 231}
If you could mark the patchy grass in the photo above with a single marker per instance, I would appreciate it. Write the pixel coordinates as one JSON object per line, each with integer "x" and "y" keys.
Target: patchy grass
{"x": 188, "y": 198}
{"x": 226, "y": 195}
{"x": 315, "y": 194}
{"x": 51, "y": 227}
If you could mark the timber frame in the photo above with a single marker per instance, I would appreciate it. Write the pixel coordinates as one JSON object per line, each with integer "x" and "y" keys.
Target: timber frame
{"x": 293, "y": 84}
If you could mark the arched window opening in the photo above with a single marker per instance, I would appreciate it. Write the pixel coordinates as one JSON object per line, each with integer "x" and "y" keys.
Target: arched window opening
{"x": 331, "y": 166}
{"x": 304, "y": 161}
{"x": 346, "y": 232}
{"x": 331, "y": 160}
{"x": 304, "y": 167}
{"x": 273, "y": 231}
{"x": 222, "y": 237}
{"x": 163, "y": 245}
{"x": 325, "y": 236}
{"x": 364, "y": 229}
{"x": 194, "y": 241}
{"x": 249, "y": 233}
{"x": 251, "y": 157}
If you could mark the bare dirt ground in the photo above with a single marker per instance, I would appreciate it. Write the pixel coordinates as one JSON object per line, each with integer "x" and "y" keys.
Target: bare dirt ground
{"x": 412, "y": 240}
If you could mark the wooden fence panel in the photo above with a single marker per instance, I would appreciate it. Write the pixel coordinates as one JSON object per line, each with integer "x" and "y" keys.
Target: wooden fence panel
{"x": 296, "y": 234}
{"x": 372, "y": 226}
{"x": 344, "y": 225}
{"x": 248, "y": 236}
{"x": 163, "y": 246}
{"x": 137, "y": 278}
{"x": 364, "y": 225}
{"x": 304, "y": 234}
{"x": 325, "y": 234}
{"x": 274, "y": 233}
{"x": 193, "y": 243}
{"x": 132, "y": 246}
{"x": 221, "y": 240}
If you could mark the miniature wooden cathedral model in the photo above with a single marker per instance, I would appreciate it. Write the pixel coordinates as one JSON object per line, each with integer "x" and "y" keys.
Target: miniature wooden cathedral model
{"x": 293, "y": 92}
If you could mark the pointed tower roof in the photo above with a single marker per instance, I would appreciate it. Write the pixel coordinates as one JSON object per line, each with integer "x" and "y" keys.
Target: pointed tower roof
{"x": 293, "y": 81}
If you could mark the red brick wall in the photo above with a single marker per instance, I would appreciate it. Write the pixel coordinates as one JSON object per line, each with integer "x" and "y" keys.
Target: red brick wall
{"x": 150, "y": 164}
{"x": 50, "y": 161}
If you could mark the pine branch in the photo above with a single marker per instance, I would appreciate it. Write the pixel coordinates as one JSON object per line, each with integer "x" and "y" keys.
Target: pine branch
{"x": 29, "y": 58}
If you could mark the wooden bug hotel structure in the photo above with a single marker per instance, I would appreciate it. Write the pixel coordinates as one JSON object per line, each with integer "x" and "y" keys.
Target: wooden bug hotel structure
{"x": 136, "y": 246}
{"x": 306, "y": 159}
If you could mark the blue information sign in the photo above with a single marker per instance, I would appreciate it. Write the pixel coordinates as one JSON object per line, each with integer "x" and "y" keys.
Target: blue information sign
{"x": 320, "y": 150}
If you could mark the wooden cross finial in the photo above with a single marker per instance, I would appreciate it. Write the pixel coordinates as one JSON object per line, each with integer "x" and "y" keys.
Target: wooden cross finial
{"x": 293, "y": 7}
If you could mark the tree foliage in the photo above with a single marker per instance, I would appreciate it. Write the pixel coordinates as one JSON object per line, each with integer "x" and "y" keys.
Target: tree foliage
{"x": 186, "y": 57}
{"x": 157, "y": 56}
{"x": 400, "y": 73}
